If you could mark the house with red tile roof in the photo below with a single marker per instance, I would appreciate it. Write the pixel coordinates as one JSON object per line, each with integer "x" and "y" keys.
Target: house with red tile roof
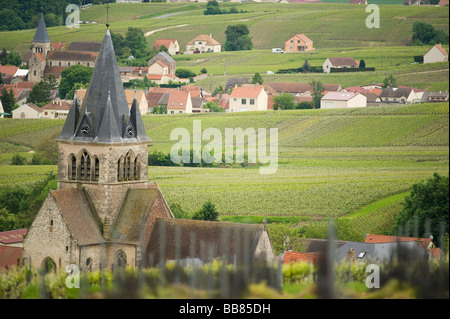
{"x": 298, "y": 43}
{"x": 12, "y": 238}
{"x": 203, "y": 43}
{"x": 436, "y": 54}
{"x": 248, "y": 99}
{"x": 443, "y": 3}
{"x": 171, "y": 44}
{"x": 56, "y": 109}
{"x": 178, "y": 102}
{"x": 290, "y": 256}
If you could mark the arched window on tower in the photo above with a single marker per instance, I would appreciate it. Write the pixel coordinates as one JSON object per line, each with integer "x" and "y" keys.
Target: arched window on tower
{"x": 120, "y": 169}
{"x": 137, "y": 168}
{"x": 96, "y": 169}
{"x": 72, "y": 167}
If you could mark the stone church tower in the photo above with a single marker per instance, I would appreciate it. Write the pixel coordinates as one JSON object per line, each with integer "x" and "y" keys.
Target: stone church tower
{"x": 105, "y": 213}
{"x": 41, "y": 46}
{"x": 104, "y": 209}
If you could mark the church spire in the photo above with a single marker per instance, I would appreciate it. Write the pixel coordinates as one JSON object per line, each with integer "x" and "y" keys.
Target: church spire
{"x": 41, "y": 35}
{"x": 70, "y": 124}
{"x": 106, "y": 94}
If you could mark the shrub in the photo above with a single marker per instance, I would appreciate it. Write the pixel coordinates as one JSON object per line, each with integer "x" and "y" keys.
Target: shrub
{"x": 18, "y": 159}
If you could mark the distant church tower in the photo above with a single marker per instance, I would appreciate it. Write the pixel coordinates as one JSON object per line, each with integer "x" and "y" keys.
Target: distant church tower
{"x": 41, "y": 46}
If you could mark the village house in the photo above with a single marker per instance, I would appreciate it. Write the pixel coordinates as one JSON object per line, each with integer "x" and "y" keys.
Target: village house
{"x": 248, "y": 99}
{"x": 56, "y": 109}
{"x": 399, "y": 95}
{"x": 203, "y": 43}
{"x": 335, "y": 100}
{"x": 177, "y": 102}
{"x": 436, "y": 54}
{"x": 154, "y": 95}
{"x": 339, "y": 63}
{"x": 430, "y": 97}
{"x": 160, "y": 64}
{"x": 139, "y": 95}
{"x": 172, "y": 45}
{"x": 27, "y": 111}
{"x": 300, "y": 88}
{"x": 298, "y": 43}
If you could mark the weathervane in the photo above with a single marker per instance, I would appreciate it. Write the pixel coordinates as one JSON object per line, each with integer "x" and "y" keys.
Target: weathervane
{"x": 107, "y": 15}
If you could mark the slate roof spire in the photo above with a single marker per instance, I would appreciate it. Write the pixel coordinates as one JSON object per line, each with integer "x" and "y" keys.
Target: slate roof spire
{"x": 41, "y": 35}
{"x": 70, "y": 124}
{"x": 106, "y": 101}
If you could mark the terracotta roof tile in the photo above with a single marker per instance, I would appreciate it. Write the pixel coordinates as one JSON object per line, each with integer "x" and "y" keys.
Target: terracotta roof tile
{"x": 13, "y": 236}
{"x": 247, "y": 92}
{"x": 295, "y": 256}
{"x": 370, "y": 238}
{"x": 204, "y": 38}
{"x": 178, "y": 99}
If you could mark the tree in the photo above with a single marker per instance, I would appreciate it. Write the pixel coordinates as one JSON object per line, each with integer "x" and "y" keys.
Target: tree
{"x": 284, "y": 101}
{"x": 207, "y": 212}
{"x": 237, "y": 38}
{"x": 40, "y": 93}
{"x": 8, "y": 100}
{"x": 426, "y": 208}
{"x": 9, "y": 20}
{"x": 184, "y": 73}
{"x": 389, "y": 82}
{"x": 424, "y": 33}
{"x": 362, "y": 64}
{"x": 213, "y": 107}
{"x": 72, "y": 75}
{"x": 135, "y": 41}
{"x": 203, "y": 71}
{"x": 318, "y": 89}
{"x": 306, "y": 67}
{"x": 305, "y": 105}
{"x": 257, "y": 78}
{"x": 179, "y": 212}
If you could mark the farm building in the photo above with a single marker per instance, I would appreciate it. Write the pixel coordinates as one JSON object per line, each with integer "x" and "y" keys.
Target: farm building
{"x": 161, "y": 63}
{"x": 335, "y": 100}
{"x": 399, "y": 95}
{"x": 27, "y": 111}
{"x": 298, "y": 43}
{"x": 435, "y": 54}
{"x": 56, "y": 109}
{"x": 171, "y": 44}
{"x": 345, "y": 62}
{"x": 203, "y": 43}
{"x": 248, "y": 99}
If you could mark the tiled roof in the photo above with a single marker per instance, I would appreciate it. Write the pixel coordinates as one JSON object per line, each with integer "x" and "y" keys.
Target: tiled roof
{"x": 9, "y": 256}
{"x": 72, "y": 56}
{"x": 246, "y": 92}
{"x": 302, "y": 37}
{"x": 440, "y": 48}
{"x": 62, "y": 105}
{"x": 189, "y": 238}
{"x": 178, "y": 99}
{"x": 204, "y": 38}
{"x": 295, "y": 256}
{"x": 343, "y": 61}
{"x": 339, "y": 96}
{"x": 130, "y": 95}
{"x": 58, "y": 46}
{"x": 35, "y": 107}
{"x": 9, "y": 70}
{"x": 397, "y": 92}
{"x": 41, "y": 35}
{"x": 165, "y": 42}
{"x": 289, "y": 87}
{"x": 370, "y": 238}
{"x": 13, "y": 236}
{"x": 75, "y": 208}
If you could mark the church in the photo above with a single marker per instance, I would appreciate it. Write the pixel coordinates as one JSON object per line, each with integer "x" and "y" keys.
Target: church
{"x": 43, "y": 60}
{"x": 105, "y": 213}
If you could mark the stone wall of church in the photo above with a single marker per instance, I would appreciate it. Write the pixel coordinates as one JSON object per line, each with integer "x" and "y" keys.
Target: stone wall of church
{"x": 49, "y": 237}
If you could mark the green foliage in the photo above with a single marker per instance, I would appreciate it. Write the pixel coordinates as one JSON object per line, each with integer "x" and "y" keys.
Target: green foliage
{"x": 11, "y": 58}
{"x": 207, "y": 212}
{"x": 426, "y": 34}
{"x": 257, "y": 78}
{"x": 390, "y": 81}
{"x": 318, "y": 89}
{"x": 8, "y": 99}
{"x": 284, "y": 101}
{"x": 160, "y": 159}
{"x": 73, "y": 75}
{"x": 237, "y": 38}
{"x": 306, "y": 67}
{"x": 213, "y": 107}
{"x": 362, "y": 64}
{"x": 426, "y": 209}
{"x": 17, "y": 159}
{"x": 179, "y": 212}
{"x": 305, "y": 105}
{"x": 204, "y": 71}
{"x": 19, "y": 206}
{"x": 184, "y": 73}
{"x": 41, "y": 91}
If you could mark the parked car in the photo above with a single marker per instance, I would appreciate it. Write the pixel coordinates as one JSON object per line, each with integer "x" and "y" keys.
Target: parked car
{"x": 270, "y": 72}
{"x": 277, "y": 50}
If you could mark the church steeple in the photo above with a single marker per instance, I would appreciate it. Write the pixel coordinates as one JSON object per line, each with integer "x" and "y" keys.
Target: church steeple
{"x": 41, "y": 35}
{"x": 106, "y": 94}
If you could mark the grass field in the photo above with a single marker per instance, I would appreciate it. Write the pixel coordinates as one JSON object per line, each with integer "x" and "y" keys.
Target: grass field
{"x": 331, "y": 163}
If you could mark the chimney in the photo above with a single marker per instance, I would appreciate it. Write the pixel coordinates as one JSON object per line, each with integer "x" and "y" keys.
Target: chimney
{"x": 351, "y": 255}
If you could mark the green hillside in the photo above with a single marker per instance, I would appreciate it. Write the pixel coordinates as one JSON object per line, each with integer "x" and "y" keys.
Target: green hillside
{"x": 330, "y": 162}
